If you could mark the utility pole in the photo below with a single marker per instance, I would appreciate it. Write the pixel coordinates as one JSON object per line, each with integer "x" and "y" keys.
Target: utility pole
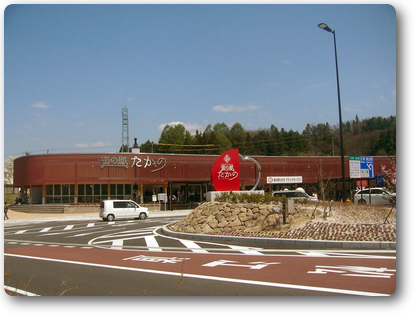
{"x": 324, "y": 26}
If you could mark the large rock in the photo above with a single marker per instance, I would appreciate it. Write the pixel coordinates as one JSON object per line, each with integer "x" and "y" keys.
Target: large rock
{"x": 243, "y": 216}
{"x": 235, "y": 223}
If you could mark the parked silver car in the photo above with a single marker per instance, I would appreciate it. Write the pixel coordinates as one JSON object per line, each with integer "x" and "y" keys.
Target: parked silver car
{"x": 379, "y": 196}
{"x": 298, "y": 193}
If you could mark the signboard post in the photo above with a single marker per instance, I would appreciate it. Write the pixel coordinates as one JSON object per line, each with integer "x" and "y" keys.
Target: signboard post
{"x": 362, "y": 167}
{"x": 355, "y": 166}
{"x": 154, "y": 200}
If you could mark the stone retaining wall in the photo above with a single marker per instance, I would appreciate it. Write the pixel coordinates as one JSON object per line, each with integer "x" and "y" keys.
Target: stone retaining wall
{"x": 215, "y": 217}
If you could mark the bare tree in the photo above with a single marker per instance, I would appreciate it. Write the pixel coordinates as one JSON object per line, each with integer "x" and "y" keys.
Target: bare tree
{"x": 9, "y": 170}
{"x": 324, "y": 187}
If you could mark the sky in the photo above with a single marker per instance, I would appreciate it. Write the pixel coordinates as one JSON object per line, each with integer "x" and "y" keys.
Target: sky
{"x": 70, "y": 69}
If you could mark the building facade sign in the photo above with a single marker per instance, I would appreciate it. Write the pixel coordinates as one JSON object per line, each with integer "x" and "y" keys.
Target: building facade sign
{"x": 138, "y": 162}
{"x": 284, "y": 179}
{"x": 225, "y": 171}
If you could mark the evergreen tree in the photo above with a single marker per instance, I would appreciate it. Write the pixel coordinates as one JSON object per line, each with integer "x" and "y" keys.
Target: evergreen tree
{"x": 373, "y": 136}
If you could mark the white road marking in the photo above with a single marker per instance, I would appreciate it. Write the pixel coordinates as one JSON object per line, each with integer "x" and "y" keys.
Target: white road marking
{"x": 20, "y": 231}
{"x": 46, "y": 229}
{"x": 69, "y": 227}
{"x": 19, "y": 291}
{"x": 244, "y": 250}
{"x": 208, "y": 277}
{"x": 193, "y": 246}
{"x": 152, "y": 243}
{"x": 117, "y": 244}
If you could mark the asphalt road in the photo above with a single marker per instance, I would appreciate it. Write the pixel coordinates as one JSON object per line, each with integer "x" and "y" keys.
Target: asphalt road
{"x": 90, "y": 257}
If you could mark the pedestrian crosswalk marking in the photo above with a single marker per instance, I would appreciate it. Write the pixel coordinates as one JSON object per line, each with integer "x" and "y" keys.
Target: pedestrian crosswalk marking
{"x": 152, "y": 243}
{"x": 148, "y": 235}
{"x": 194, "y": 247}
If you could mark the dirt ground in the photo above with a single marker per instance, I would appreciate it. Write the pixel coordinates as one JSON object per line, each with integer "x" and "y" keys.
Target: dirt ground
{"x": 342, "y": 222}
{"x": 344, "y": 214}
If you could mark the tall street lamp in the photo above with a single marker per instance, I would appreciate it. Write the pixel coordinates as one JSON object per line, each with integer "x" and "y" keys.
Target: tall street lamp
{"x": 326, "y": 28}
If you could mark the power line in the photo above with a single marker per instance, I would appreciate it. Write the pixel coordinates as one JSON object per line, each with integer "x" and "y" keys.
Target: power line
{"x": 191, "y": 145}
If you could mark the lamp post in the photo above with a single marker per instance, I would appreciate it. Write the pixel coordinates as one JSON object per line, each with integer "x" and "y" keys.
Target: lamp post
{"x": 326, "y": 28}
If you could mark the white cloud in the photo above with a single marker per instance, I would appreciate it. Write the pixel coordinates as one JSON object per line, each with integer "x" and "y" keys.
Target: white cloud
{"x": 228, "y": 108}
{"x": 40, "y": 104}
{"x": 233, "y": 108}
{"x": 253, "y": 107}
{"x": 97, "y": 144}
{"x": 188, "y": 126}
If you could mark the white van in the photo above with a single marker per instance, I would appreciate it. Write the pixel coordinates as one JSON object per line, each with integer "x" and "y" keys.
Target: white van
{"x": 299, "y": 193}
{"x": 115, "y": 209}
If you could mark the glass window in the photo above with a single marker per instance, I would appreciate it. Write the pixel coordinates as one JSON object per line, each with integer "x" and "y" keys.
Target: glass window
{"x": 104, "y": 190}
{"x": 88, "y": 190}
{"x": 49, "y": 190}
{"x": 128, "y": 190}
{"x": 112, "y": 189}
{"x": 57, "y": 190}
{"x": 119, "y": 204}
{"x": 65, "y": 190}
{"x": 119, "y": 189}
{"x": 59, "y": 194}
{"x": 96, "y": 189}
{"x": 131, "y": 205}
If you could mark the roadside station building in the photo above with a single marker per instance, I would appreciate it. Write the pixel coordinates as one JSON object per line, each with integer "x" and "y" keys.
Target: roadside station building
{"x": 90, "y": 178}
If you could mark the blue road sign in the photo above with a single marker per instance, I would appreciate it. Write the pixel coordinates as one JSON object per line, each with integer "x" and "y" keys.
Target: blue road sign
{"x": 367, "y": 167}
{"x": 380, "y": 179}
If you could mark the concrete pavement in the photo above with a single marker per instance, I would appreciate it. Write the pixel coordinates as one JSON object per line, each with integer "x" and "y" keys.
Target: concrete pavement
{"x": 15, "y": 216}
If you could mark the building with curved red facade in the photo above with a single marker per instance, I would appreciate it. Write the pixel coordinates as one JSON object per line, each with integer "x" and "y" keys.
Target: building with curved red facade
{"x": 90, "y": 178}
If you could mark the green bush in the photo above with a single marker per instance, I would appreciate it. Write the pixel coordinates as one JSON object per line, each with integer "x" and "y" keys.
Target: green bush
{"x": 248, "y": 198}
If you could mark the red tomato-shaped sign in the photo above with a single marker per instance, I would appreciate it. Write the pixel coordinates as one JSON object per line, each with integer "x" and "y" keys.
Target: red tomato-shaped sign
{"x": 225, "y": 173}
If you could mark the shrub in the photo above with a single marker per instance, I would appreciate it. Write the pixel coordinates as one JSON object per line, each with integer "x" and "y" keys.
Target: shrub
{"x": 248, "y": 198}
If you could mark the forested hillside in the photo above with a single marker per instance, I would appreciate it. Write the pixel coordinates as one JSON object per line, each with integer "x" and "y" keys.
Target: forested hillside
{"x": 369, "y": 137}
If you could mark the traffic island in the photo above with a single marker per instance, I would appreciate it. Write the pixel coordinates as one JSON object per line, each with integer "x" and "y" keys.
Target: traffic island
{"x": 263, "y": 223}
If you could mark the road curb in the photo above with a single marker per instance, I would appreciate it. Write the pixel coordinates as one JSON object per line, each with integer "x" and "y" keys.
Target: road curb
{"x": 24, "y": 217}
{"x": 369, "y": 245}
